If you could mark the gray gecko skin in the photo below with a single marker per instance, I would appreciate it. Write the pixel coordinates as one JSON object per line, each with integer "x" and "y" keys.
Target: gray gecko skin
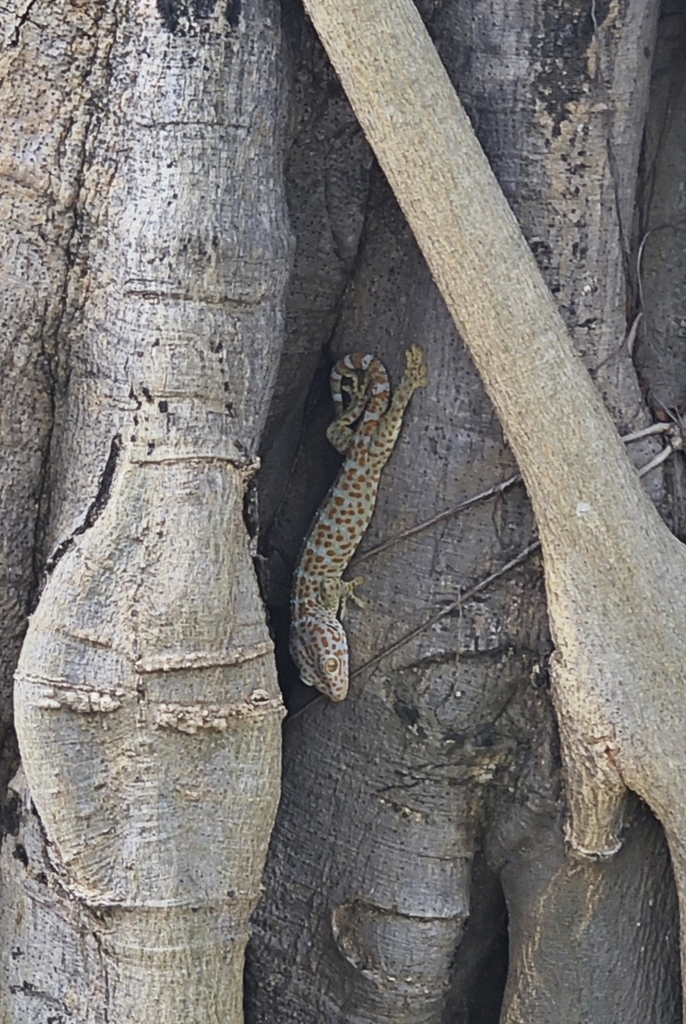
{"x": 318, "y": 643}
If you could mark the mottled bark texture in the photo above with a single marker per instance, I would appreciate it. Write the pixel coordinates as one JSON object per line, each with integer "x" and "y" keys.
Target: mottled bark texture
{"x": 143, "y": 163}
{"x": 41, "y": 159}
{"x": 407, "y": 808}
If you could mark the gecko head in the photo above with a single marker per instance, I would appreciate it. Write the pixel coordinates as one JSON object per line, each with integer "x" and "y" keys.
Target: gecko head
{"x": 320, "y": 650}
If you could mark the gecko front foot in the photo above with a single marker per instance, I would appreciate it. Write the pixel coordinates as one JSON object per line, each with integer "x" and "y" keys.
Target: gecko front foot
{"x": 416, "y": 373}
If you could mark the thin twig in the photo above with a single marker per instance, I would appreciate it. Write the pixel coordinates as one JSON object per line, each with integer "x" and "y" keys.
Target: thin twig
{"x": 654, "y": 428}
{"x": 296, "y": 714}
{"x": 639, "y": 268}
{"x": 657, "y": 461}
{"x": 631, "y": 336}
{"x": 629, "y": 341}
{"x": 467, "y": 503}
{"x": 639, "y": 255}
{"x": 521, "y": 557}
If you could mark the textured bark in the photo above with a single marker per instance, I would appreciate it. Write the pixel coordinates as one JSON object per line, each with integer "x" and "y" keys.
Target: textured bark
{"x": 41, "y": 161}
{"x": 146, "y": 700}
{"x": 447, "y": 739}
{"x": 615, "y": 576}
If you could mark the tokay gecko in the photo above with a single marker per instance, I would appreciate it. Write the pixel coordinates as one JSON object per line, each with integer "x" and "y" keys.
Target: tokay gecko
{"x": 317, "y": 639}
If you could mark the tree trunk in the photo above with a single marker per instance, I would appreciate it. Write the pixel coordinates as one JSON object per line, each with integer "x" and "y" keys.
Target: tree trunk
{"x": 146, "y": 701}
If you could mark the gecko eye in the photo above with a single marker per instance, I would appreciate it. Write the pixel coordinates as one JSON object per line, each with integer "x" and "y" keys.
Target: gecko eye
{"x": 331, "y": 665}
